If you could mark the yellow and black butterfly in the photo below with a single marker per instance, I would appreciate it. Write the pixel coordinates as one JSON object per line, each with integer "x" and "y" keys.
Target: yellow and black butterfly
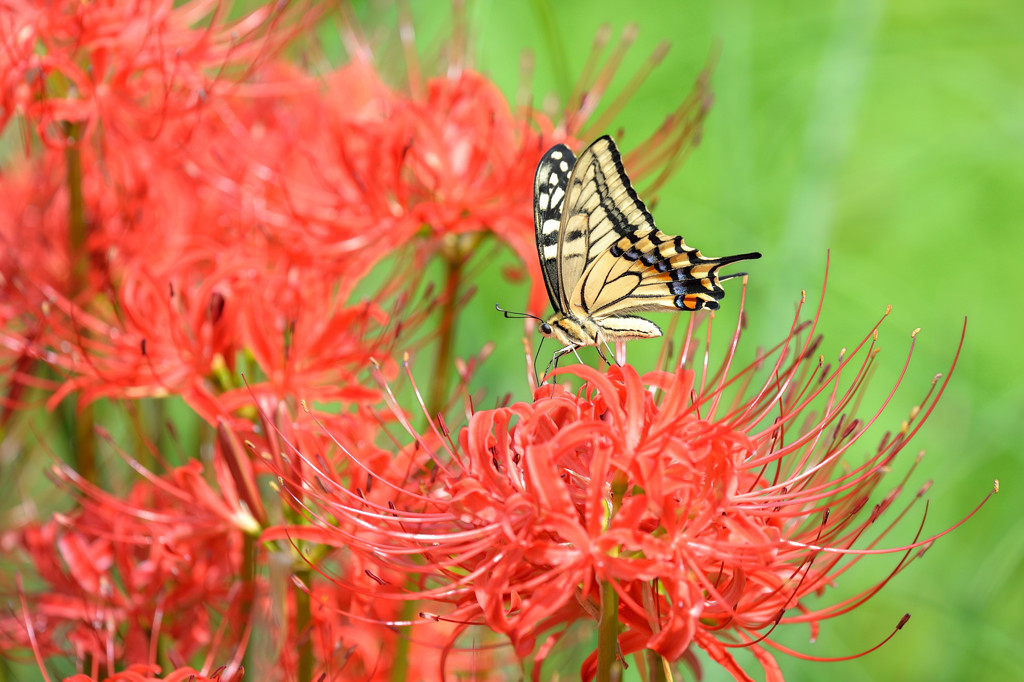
{"x": 602, "y": 257}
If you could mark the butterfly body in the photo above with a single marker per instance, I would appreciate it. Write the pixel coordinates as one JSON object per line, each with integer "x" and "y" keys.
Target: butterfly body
{"x": 573, "y": 331}
{"x": 602, "y": 257}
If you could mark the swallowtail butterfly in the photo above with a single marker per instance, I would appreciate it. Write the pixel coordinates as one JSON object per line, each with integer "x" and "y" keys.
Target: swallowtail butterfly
{"x": 602, "y": 257}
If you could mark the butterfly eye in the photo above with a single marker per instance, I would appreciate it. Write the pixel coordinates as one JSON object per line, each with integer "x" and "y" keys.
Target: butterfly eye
{"x": 545, "y": 329}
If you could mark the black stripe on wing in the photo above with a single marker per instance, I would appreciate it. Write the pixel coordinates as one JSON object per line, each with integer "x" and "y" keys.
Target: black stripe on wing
{"x": 549, "y": 187}
{"x": 620, "y": 213}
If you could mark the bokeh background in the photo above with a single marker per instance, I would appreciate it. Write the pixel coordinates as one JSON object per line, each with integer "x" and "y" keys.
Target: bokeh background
{"x": 890, "y": 135}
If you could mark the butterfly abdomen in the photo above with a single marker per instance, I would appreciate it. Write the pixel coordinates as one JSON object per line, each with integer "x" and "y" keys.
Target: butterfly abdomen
{"x": 573, "y": 331}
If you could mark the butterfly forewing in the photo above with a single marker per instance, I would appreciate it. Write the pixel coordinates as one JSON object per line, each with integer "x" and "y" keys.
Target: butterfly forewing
{"x": 601, "y": 208}
{"x": 549, "y": 190}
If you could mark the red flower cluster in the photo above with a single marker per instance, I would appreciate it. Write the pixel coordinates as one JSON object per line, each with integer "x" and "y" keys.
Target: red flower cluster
{"x": 123, "y": 71}
{"x": 712, "y": 509}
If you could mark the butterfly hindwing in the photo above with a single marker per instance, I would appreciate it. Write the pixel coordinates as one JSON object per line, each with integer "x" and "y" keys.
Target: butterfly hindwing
{"x": 657, "y": 273}
{"x": 630, "y": 265}
{"x": 549, "y": 189}
{"x": 601, "y": 208}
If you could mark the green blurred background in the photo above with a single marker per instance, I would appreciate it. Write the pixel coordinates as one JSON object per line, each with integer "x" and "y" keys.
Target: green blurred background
{"x": 891, "y": 135}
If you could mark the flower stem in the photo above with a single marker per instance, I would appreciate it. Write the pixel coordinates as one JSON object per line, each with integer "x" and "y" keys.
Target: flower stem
{"x": 655, "y": 666}
{"x": 77, "y": 233}
{"x": 247, "y": 574}
{"x": 302, "y": 625}
{"x": 608, "y": 667}
{"x": 84, "y": 451}
{"x": 608, "y": 634}
{"x": 443, "y": 360}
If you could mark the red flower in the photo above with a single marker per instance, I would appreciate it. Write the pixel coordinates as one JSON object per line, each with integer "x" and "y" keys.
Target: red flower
{"x": 123, "y": 69}
{"x": 162, "y": 563}
{"x": 711, "y": 507}
{"x": 190, "y": 304}
{"x": 354, "y": 627}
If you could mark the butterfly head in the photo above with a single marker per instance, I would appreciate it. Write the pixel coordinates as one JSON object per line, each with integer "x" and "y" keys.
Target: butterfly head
{"x": 569, "y": 330}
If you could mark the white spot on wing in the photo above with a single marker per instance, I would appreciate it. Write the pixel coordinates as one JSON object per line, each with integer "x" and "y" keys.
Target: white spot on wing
{"x": 550, "y": 226}
{"x": 564, "y": 167}
{"x": 552, "y": 179}
{"x": 556, "y": 155}
{"x": 542, "y": 200}
{"x": 551, "y": 251}
{"x": 556, "y": 196}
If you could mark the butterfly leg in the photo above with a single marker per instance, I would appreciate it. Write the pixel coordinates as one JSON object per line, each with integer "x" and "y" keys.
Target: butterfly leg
{"x": 557, "y": 356}
{"x": 611, "y": 354}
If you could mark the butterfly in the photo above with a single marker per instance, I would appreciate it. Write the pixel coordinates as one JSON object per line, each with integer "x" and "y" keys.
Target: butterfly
{"x": 602, "y": 257}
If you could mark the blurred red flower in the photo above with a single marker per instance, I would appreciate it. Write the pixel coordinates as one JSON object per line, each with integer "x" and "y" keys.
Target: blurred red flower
{"x": 126, "y": 70}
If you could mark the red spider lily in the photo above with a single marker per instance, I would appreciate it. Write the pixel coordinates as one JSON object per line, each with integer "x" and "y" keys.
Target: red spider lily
{"x": 708, "y": 510}
{"x": 192, "y": 302}
{"x": 353, "y": 630}
{"x": 158, "y": 567}
{"x": 164, "y": 571}
{"x": 471, "y": 163}
{"x": 118, "y": 583}
{"x": 127, "y": 69}
{"x": 310, "y": 165}
{"x": 200, "y": 276}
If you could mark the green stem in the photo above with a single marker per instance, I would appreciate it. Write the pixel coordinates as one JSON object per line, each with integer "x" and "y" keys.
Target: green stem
{"x": 248, "y": 570}
{"x": 77, "y": 233}
{"x": 442, "y": 363}
{"x": 655, "y": 666}
{"x": 247, "y": 574}
{"x": 84, "y": 451}
{"x": 302, "y": 625}
{"x": 608, "y": 634}
{"x": 608, "y": 667}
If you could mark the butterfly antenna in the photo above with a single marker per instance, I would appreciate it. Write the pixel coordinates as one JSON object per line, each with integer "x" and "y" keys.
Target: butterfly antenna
{"x": 511, "y": 315}
{"x": 536, "y": 379}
